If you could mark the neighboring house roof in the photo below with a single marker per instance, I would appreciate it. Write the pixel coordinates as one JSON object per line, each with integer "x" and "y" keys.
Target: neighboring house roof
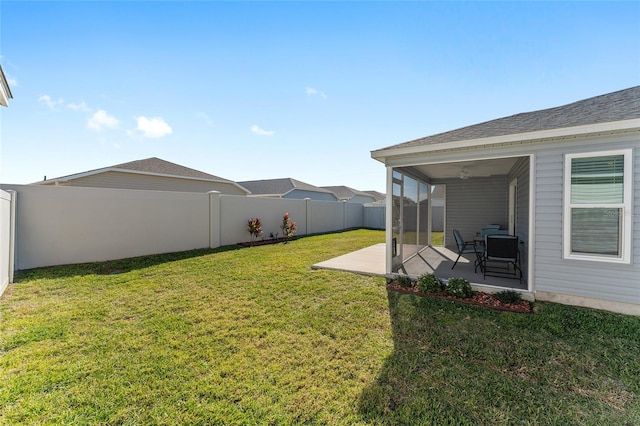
{"x": 5, "y": 90}
{"x": 611, "y": 107}
{"x": 346, "y": 193}
{"x": 279, "y": 187}
{"x": 148, "y": 166}
{"x": 379, "y": 196}
{"x": 159, "y": 166}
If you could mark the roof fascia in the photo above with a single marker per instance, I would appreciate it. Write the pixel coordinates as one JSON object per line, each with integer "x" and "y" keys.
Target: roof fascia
{"x": 609, "y": 127}
{"x": 5, "y": 90}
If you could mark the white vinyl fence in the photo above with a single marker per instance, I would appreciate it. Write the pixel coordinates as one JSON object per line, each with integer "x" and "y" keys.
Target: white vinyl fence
{"x": 6, "y": 239}
{"x": 65, "y": 225}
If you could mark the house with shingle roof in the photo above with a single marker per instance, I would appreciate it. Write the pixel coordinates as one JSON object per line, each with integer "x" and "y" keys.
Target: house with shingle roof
{"x": 287, "y": 188}
{"x": 379, "y": 196}
{"x": 564, "y": 181}
{"x": 150, "y": 174}
{"x": 350, "y": 195}
{"x": 5, "y": 90}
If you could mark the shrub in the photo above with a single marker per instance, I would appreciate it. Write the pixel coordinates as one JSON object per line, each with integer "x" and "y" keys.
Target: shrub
{"x": 459, "y": 287}
{"x": 404, "y": 281}
{"x": 255, "y": 228}
{"x": 508, "y": 296}
{"x": 429, "y": 283}
{"x": 288, "y": 226}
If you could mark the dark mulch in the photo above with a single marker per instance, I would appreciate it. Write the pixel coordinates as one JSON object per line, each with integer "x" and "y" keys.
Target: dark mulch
{"x": 265, "y": 242}
{"x": 478, "y": 299}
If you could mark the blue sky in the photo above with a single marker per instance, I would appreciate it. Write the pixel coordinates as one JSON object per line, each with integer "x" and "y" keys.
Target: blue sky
{"x": 260, "y": 90}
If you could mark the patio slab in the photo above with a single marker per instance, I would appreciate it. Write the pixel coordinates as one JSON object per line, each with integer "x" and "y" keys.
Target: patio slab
{"x": 433, "y": 260}
{"x": 367, "y": 261}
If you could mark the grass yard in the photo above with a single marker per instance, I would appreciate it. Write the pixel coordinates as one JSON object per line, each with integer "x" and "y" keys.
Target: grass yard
{"x": 254, "y": 336}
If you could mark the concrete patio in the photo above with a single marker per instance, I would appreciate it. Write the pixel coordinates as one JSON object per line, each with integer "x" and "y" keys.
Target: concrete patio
{"x": 433, "y": 260}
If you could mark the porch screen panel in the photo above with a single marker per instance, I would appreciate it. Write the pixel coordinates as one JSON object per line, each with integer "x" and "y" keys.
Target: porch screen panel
{"x": 410, "y": 216}
{"x": 423, "y": 215}
{"x": 395, "y": 217}
{"x": 597, "y": 195}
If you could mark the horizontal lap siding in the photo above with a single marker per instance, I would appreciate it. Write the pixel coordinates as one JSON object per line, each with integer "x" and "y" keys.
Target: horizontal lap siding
{"x": 474, "y": 203}
{"x": 552, "y": 273}
{"x": 636, "y": 208}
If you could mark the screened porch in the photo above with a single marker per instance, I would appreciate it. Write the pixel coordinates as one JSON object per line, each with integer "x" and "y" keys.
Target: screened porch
{"x": 430, "y": 201}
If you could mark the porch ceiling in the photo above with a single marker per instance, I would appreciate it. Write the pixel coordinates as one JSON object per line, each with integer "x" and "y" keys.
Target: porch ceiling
{"x": 472, "y": 168}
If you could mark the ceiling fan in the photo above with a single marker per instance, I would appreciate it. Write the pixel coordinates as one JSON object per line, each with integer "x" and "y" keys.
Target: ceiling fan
{"x": 464, "y": 174}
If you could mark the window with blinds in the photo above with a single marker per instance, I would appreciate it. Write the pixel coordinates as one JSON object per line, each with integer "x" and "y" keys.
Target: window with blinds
{"x": 597, "y": 205}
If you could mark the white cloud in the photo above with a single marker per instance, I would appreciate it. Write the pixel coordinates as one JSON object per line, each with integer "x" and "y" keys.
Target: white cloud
{"x": 260, "y": 131}
{"x": 101, "y": 120}
{"x": 50, "y": 103}
{"x": 153, "y": 127}
{"x": 315, "y": 92}
{"x": 12, "y": 82}
{"x": 204, "y": 117}
{"x": 82, "y": 106}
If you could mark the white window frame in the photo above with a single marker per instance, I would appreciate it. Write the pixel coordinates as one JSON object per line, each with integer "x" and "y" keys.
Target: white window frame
{"x": 626, "y": 209}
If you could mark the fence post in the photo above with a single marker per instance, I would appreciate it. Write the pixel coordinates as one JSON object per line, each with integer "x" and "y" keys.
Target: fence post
{"x": 308, "y": 211}
{"x": 12, "y": 235}
{"x": 344, "y": 214}
{"x": 215, "y": 216}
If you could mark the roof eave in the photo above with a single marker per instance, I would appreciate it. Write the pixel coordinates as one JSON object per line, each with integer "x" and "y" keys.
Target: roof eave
{"x": 5, "y": 90}
{"x": 138, "y": 172}
{"x": 612, "y": 126}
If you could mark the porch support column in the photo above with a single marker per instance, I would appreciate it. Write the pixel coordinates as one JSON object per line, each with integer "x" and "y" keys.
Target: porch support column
{"x": 389, "y": 222}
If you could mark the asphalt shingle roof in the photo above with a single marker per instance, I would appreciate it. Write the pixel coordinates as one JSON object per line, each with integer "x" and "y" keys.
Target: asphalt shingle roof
{"x": 615, "y": 106}
{"x": 377, "y": 195}
{"x": 157, "y": 165}
{"x": 344, "y": 192}
{"x": 278, "y": 186}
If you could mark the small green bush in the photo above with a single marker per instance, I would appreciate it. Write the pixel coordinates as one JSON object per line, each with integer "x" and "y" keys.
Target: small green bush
{"x": 404, "y": 281}
{"x": 508, "y": 296}
{"x": 459, "y": 287}
{"x": 429, "y": 283}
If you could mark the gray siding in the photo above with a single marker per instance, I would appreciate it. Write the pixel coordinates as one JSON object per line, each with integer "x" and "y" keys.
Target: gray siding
{"x": 520, "y": 171}
{"x": 601, "y": 280}
{"x": 473, "y": 203}
{"x": 362, "y": 199}
{"x": 121, "y": 180}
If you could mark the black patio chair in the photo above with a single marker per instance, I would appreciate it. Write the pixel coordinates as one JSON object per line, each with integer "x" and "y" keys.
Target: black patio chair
{"x": 501, "y": 257}
{"x": 466, "y": 247}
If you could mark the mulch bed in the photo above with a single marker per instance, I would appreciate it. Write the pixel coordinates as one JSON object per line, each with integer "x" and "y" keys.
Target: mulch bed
{"x": 478, "y": 299}
{"x": 265, "y": 242}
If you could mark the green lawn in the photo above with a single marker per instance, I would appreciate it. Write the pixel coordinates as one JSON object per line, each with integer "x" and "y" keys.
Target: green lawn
{"x": 254, "y": 336}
